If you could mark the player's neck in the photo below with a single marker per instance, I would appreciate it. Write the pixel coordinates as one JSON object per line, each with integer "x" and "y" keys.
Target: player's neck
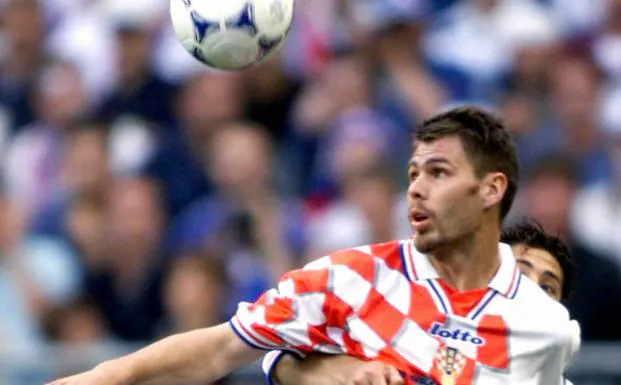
{"x": 470, "y": 263}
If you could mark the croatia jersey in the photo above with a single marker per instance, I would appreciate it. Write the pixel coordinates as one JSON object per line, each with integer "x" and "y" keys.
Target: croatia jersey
{"x": 386, "y": 302}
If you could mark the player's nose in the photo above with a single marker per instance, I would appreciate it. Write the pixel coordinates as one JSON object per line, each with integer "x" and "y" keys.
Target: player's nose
{"x": 417, "y": 189}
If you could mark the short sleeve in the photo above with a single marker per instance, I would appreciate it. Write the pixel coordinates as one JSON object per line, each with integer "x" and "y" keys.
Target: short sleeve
{"x": 308, "y": 309}
{"x": 270, "y": 360}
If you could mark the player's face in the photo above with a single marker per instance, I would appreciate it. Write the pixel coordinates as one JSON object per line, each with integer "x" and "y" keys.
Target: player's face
{"x": 541, "y": 267}
{"x": 444, "y": 205}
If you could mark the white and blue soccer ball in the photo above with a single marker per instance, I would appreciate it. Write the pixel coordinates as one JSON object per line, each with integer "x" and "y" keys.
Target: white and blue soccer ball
{"x": 231, "y": 34}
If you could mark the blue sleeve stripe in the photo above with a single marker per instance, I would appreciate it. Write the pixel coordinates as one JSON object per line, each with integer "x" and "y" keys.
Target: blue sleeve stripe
{"x": 246, "y": 339}
{"x": 269, "y": 373}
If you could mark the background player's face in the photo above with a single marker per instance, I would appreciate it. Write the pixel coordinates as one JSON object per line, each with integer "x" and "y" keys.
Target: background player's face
{"x": 444, "y": 204}
{"x": 541, "y": 267}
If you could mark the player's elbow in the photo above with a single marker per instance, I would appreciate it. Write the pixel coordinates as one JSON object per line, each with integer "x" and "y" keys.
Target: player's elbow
{"x": 230, "y": 352}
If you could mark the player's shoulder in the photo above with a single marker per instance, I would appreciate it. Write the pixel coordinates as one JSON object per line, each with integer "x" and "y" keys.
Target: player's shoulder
{"x": 383, "y": 251}
{"x": 531, "y": 297}
{"x": 541, "y": 313}
{"x": 362, "y": 257}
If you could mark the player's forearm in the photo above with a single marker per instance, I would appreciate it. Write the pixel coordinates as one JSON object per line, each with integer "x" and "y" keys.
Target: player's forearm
{"x": 315, "y": 369}
{"x": 196, "y": 357}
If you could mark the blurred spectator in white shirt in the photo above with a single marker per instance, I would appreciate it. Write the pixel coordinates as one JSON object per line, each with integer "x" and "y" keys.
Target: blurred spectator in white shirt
{"x": 482, "y": 37}
{"x": 596, "y": 216}
{"x": 34, "y": 156}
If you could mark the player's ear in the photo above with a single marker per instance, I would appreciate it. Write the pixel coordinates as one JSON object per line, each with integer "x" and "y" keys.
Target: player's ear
{"x": 493, "y": 188}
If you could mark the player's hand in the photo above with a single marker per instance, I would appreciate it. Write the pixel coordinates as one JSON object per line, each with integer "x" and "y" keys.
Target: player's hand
{"x": 376, "y": 373}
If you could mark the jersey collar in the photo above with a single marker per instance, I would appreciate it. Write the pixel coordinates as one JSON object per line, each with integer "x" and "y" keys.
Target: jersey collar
{"x": 505, "y": 281}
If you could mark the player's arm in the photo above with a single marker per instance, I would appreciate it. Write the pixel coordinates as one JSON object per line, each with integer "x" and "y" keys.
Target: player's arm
{"x": 287, "y": 317}
{"x": 284, "y": 369}
{"x": 195, "y": 357}
{"x": 314, "y": 369}
{"x": 199, "y": 357}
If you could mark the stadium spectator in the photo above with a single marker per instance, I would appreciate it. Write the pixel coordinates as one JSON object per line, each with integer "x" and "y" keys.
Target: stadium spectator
{"x": 260, "y": 233}
{"x": 34, "y": 157}
{"x": 596, "y": 217}
{"x": 194, "y": 290}
{"x": 129, "y": 288}
{"x": 21, "y": 59}
{"x": 549, "y": 193}
{"x": 206, "y": 101}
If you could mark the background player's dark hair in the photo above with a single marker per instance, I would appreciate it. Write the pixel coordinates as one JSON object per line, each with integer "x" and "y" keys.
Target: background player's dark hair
{"x": 531, "y": 235}
{"x": 485, "y": 140}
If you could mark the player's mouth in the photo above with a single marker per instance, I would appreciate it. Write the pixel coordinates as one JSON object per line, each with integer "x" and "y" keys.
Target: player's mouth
{"x": 419, "y": 220}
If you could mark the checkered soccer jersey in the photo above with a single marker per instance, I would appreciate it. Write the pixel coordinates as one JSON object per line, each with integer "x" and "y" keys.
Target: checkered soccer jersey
{"x": 386, "y": 302}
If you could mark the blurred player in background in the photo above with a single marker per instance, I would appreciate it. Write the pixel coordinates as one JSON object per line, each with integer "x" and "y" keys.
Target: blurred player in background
{"x": 447, "y": 306}
{"x": 542, "y": 257}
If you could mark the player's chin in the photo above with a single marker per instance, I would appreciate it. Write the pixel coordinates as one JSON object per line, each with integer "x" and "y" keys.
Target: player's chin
{"x": 423, "y": 242}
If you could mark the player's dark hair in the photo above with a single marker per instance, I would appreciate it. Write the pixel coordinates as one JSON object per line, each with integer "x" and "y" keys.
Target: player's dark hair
{"x": 485, "y": 140}
{"x": 531, "y": 235}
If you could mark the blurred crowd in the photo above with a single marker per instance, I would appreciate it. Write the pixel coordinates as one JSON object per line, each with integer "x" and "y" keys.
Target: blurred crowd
{"x": 144, "y": 194}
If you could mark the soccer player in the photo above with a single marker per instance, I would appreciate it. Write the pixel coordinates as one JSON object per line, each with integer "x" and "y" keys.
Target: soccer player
{"x": 542, "y": 257}
{"x": 448, "y": 305}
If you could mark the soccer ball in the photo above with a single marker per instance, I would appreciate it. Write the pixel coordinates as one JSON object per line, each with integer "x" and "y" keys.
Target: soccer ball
{"x": 231, "y": 34}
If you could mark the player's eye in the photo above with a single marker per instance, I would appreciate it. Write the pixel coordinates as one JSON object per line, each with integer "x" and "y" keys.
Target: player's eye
{"x": 438, "y": 172}
{"x": 548, "y": 289}
{"x": 413, "y": 174}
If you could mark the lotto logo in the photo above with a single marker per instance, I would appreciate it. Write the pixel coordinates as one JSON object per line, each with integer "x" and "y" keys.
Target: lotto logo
{"x": 438, "y": 330}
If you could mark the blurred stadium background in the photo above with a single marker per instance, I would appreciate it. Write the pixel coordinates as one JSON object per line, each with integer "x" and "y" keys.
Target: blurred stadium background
{"x": 143, "y": 194}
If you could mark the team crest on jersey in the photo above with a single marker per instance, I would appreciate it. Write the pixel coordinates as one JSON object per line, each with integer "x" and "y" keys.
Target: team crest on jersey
{"x": 450, "y": 363}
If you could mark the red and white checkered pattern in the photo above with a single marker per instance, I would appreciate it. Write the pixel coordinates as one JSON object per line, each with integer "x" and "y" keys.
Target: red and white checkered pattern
{"x": 380, "y": 302}
{"x": 356, "y": 301}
